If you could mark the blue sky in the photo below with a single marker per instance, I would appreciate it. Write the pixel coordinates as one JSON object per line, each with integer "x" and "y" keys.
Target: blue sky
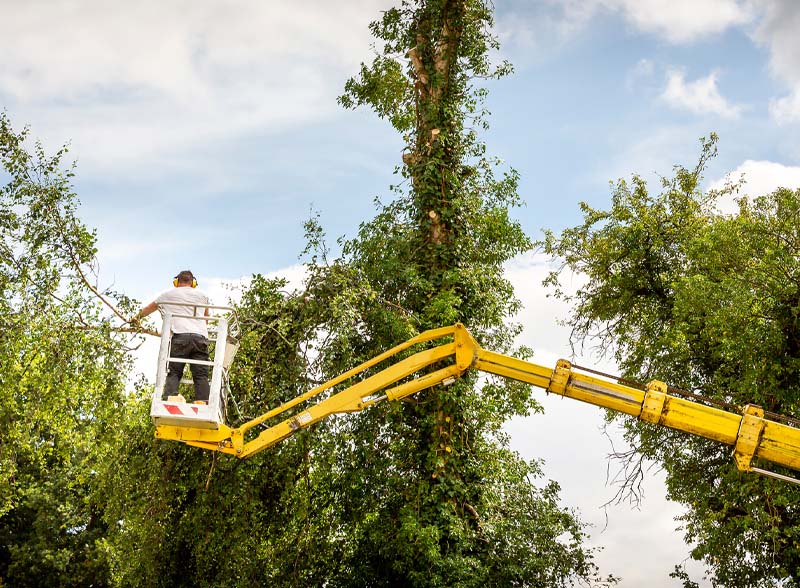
{"x": 206, "y": 132}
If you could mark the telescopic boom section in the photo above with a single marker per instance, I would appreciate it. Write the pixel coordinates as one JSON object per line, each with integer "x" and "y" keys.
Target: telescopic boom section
{"x": 750, "y": 433}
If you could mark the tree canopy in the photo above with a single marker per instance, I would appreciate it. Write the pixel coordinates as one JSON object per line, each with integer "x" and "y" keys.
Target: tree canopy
{"x": 61, "y": 382}
{"x": 709, "y": 303}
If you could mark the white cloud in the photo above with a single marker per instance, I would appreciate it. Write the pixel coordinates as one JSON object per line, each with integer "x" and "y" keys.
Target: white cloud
{"x": 700, "y": 96}
{"x": 787, "y": 109}
{"x": 681, "y": 21}
{"x": 225, "y": 290}
{"x": 548, "y": 337}
{"x": 677, "y": 21}
{"x": 649, "y": 152}
{"x": 78, "y": 50}
{"x": 777, "y": 30}
{"x": 122, "y": 249}
{"x": 761, "y": 177}
{"x": 134, "y": 81}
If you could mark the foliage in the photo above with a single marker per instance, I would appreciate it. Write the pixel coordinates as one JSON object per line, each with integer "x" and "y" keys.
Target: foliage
{"x": 60, "y": 381}
{"x": 707, "y": 302}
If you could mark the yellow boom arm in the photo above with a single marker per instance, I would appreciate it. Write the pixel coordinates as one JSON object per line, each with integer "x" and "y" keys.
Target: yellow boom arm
{"x": 751, "y": 433}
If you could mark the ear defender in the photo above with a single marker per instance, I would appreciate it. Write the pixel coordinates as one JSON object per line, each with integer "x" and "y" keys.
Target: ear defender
{"x": 194, "y": 280}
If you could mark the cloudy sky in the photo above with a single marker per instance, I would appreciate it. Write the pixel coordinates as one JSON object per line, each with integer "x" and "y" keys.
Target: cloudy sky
{"x": 205, "y": 133}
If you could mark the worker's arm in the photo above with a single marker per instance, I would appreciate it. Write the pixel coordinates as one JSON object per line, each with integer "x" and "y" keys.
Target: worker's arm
{"x": 149, "y": 309}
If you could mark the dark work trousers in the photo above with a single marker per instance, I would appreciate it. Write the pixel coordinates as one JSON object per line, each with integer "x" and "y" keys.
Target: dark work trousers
{"x": 188, "y": 346}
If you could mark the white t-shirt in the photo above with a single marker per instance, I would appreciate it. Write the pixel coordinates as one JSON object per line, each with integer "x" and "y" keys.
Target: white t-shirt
{"x": 180, "y": 301}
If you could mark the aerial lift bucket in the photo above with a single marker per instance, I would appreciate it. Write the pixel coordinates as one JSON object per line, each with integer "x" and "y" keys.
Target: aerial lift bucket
{"x": 176, "y": 411}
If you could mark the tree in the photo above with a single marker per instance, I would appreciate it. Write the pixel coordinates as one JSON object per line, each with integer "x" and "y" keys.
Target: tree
{"x": 62, "y": 374}
{"x": 709, "y": 303}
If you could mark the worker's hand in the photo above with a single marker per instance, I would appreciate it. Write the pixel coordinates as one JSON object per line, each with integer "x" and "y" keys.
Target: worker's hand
{"x": 135, "y": 322}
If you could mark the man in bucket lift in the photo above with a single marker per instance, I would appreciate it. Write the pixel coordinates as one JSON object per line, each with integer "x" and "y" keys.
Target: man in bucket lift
{"x": 189, "y": 336}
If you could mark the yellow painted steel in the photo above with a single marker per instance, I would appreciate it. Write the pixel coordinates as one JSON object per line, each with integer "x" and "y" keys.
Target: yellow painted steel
{"x": 428, "y": 380}
{"x": 421, "y": 338}
{"x": 780, "y": 444}
{"x": 348, "y": 400}
{"x": 175, "y": 433}
{"x": 751, "y": 433}
{"x": 750, "y": 429}
{"x": 704, "y": 421}
{"x": 653, "y": 405}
